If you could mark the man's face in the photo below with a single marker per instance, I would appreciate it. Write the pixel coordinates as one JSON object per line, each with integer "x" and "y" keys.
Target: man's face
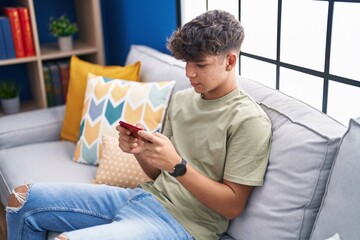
{"x": 209, "y": 76}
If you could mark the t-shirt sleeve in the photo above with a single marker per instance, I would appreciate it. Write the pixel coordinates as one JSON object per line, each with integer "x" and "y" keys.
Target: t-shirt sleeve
{"x": 167, "y": 124}
{"x": 248, "y": 151}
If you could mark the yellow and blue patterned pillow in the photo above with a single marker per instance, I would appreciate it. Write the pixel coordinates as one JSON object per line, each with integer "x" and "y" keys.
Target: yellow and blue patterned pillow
{"x": 107, "y": 102}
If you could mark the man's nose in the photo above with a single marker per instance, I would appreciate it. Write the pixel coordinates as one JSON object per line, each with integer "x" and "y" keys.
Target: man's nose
{"x": 189, "y": 71}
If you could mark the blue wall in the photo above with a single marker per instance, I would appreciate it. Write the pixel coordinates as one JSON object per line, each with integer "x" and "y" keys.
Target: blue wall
{"x": 126, "y": 22}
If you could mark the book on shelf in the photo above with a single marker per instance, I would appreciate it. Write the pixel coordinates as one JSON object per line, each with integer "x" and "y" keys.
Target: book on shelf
{"x": 56, "y": 79}
{"x": 7, "y": 37}
{"x": 48, "y": 86}
{"x": 56, "y": 83}
{"x": 64, "y": 68}
{"x": 26, "y": 30}
{"x": 3, "y": 54}
{"x": 15, "y": 24}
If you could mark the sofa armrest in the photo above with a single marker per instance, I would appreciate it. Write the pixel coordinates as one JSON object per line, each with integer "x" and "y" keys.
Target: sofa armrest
{"x": 31, "y": 127}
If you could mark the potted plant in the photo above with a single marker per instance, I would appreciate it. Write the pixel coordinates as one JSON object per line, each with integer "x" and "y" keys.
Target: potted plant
{"x": 10, "y": 96}
{"x": 63, "y": 29}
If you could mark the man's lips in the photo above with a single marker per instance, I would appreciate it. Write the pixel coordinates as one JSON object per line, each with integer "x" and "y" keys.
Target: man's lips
{"x": 195, "y": 84}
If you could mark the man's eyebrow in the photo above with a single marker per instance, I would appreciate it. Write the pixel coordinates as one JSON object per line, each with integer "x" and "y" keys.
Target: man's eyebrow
{"x": 201, "y": 60}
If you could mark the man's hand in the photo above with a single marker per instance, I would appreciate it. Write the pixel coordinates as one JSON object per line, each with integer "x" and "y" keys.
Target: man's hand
{"x": 127, "y": 142}
{"x": 159, "y": 151}
{"x": 147, "y": 148}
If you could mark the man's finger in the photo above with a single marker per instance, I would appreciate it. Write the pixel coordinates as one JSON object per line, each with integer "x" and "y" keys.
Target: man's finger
{"x": 122, "y": 130}
{"x": 150, "y": 137}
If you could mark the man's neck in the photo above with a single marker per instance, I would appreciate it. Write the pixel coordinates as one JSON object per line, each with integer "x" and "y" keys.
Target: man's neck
{"x": 229, "y": 86}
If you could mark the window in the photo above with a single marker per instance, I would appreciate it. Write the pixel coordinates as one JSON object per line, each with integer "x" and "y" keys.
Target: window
{"x": 308, "y": 49}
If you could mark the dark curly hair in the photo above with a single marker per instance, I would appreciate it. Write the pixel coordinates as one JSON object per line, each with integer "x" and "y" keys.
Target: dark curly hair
{"x": 214, "y": 32}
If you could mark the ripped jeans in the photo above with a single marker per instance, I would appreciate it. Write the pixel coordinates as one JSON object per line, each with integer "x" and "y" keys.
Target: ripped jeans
{"x": 89, "y": 211}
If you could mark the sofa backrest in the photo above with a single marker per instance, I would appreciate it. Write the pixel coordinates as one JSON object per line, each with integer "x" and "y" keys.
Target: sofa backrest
{"x": 304, "y": 144}
{"x": 158, "y": 67}
{"x": 44, "y": 124}
{"x": 340, "y": 210}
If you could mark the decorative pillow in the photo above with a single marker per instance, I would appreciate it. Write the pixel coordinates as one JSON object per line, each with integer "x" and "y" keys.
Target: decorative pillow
{"x": 108, "y": 101}
{"x": 117, "y": 168}
{"x": 79, "y": 70}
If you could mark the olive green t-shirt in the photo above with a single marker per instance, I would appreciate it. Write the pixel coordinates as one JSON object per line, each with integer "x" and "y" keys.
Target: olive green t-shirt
{"x": 226, "y": 138}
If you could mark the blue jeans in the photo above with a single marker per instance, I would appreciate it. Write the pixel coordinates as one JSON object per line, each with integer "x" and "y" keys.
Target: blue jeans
{"x": 88, "y": 211}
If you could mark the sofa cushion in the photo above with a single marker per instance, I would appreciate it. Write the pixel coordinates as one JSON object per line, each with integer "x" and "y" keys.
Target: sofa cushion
{"x": 107, "y": 101}
{"x": 167, "y": 67}
{"x": 117, "y": 168}
{"x": 340, "y": 212}
{"x": 41, "y": 162}
{"x": 304, "y": 144}
{"x": 79, "y": 70}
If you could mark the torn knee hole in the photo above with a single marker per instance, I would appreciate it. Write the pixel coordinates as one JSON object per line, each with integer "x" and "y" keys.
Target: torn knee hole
{"x": 18, "y": 197}
{"x": 61, "y": 237}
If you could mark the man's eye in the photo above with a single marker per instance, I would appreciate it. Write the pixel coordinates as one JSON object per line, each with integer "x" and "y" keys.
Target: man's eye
{"x": 201, "y": 65}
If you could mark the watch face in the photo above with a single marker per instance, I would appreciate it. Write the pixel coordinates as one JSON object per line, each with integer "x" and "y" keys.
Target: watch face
{"x": 180, "y": 169}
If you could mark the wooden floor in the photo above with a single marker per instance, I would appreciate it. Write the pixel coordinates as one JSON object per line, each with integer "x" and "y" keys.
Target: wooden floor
{"x": 2, "y": 223}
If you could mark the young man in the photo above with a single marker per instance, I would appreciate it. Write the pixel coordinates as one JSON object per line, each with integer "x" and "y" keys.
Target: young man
{"x": 214, "y": 149}
{"x": 216, "y": 139}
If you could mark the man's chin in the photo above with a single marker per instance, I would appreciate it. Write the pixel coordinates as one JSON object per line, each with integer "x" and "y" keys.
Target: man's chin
{"x": 198, "y": 90}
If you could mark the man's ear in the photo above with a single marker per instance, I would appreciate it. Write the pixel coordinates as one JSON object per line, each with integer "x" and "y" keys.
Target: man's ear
{"x": 231, "y": 59}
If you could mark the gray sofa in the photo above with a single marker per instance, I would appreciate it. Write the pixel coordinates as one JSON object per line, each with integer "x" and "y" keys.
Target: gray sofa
{"x": 311, "y": 184}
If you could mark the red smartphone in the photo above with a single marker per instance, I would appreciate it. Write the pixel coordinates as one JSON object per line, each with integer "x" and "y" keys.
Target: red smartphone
{"x": 133, "y": 129}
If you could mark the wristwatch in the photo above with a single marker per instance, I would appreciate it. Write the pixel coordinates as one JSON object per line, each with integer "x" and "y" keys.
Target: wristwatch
{"x": 179, "y": 169}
